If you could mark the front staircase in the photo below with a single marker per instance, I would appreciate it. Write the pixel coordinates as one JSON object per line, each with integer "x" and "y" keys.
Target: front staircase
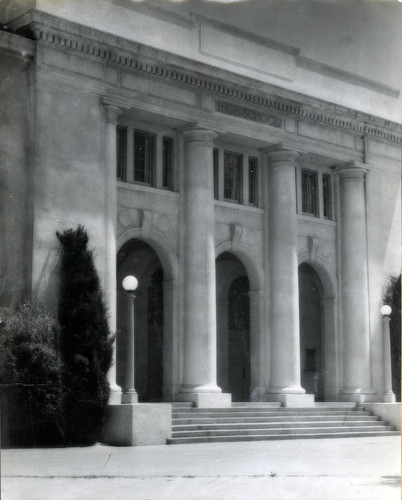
{"x": 269, "y": 421}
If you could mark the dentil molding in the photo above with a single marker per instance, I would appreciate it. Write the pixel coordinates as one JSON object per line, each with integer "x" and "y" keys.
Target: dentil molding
{"x": 64, "y": 35}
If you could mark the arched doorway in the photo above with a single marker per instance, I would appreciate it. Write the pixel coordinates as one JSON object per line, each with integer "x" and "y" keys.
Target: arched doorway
{"x": 233, "y": 325}
{"x": 139, "y": 259}
{"x": 311, "y": 332}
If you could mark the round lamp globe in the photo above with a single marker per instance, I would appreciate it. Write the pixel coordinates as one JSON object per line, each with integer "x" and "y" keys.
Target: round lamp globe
{"x": 130, "y": 283}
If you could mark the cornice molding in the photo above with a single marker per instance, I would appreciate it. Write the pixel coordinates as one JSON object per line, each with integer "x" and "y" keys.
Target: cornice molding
{"x": 16, "y": 45}
{"x": 64, "y": 35}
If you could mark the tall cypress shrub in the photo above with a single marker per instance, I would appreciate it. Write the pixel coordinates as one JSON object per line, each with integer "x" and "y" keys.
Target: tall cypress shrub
{"x": 85, "y": 341}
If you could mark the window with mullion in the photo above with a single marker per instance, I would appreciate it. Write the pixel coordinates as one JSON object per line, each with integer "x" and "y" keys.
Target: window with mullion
{"x": 143, "y": 157}
{"x": 309, "y": 192}
{"x": 326, "y": 195}
{"x": 252, "y": 180}
{"x": 231, "y": 176}
{"x": 167, "y": 154}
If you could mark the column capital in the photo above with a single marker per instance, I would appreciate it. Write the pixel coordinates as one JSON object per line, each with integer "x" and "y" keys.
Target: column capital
{"x": 200, "y": 135}
{"x": 351, "y": 171}
{"x": 112, "y": 113}
{"x": 282, "y": 156}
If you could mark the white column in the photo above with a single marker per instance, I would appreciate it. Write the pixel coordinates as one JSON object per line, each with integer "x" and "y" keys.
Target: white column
{"x": 199, "y": 287}
{"x": 389, "y": 396}
{"x": 112, "y": 113}
{"x": 354, "y": 284}
{"x": 284, "y": 290}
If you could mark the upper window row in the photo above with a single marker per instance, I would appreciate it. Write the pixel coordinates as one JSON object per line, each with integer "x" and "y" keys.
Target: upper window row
{"x": 148, "y": 158}
{"x": 144, "y": 158}
{"x": 315, "y": 194}
{"x": 235, "y": 177}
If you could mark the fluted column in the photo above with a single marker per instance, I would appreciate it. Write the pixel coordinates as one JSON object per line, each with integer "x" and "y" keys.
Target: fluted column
{"x": 199, "y": 283}
{"x": 283, "y": 278}
{"x": 354, "y": 284}
{"x": 112, "y": 113}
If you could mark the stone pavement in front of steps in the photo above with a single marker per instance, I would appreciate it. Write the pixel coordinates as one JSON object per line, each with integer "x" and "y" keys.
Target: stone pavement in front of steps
{"x": 318, "y": 469}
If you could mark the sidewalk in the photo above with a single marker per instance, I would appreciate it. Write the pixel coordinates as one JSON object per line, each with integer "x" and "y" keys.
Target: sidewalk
{"x": 328, "y": 469}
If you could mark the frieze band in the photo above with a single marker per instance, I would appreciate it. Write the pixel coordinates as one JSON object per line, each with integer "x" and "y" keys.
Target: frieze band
{"x": 254, "y": 115}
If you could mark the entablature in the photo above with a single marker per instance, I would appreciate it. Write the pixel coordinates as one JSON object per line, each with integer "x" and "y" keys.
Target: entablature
{"x": 268, "y": 102}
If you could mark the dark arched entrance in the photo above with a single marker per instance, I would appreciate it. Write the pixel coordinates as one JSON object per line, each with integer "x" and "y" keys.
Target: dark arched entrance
{"x": 239, "y": 339}
{"x": 139, "y": 259}
{"x": 233, "y": 324}
{"x": 311, "y": 329}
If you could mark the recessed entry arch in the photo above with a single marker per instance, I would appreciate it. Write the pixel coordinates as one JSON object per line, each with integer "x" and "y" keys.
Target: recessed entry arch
{"x": 154, "y": 265}
{"x": 239, "y": 281}
{"x": 319, "y": 343}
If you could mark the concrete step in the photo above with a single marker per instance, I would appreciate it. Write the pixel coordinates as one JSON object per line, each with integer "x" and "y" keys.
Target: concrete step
{"x": 251, "y": 422}
{"x": 277, "y": 424}
{"x": 281, "y": 430}
{"x": 264, "y": 418}
{"x": 179, "y": 406}
{"x": 274, "y": 410}
{"x": 251, "y": 413}
{"x": 269, "y": 437}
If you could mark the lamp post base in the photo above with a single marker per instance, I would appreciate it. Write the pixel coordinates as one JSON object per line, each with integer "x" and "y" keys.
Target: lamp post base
{"x": 129, "y": 398}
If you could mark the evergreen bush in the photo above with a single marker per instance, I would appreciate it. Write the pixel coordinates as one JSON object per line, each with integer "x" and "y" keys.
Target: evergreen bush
{"x": 30, "y": 373}
{"x": 85, "y": 341}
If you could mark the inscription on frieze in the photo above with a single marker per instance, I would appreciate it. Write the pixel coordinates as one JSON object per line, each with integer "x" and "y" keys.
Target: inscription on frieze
{"x": 251, "y": 114}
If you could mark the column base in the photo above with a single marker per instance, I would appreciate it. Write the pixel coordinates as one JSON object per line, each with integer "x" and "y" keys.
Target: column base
{"x": 258, "y": 394}
{"x": 115, "y": 394}
{"x": 140, "y": 424}
{"x": 205, "y": 388}
{"x": 206, "y": 399}
{"x": 292, "y": 400}
{"x": 129, "y": 398}
{"x": 389, "y": 397}
{"x": 357, "y": 396}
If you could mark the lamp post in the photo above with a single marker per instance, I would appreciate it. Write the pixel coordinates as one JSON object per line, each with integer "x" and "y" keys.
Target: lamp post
{"x": 130, "y": 284}
{"x": 389, "y": 396}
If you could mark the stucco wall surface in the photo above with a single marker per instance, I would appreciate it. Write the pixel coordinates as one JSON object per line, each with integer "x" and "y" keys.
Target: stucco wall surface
{"x": 389, "y": 412}
{"x": 68, "y": 177}
{"x": 14, "y": 144}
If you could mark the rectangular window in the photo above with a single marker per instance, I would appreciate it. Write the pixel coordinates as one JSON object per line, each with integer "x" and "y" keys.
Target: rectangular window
{"x": 231, "y": 176}
{"x": 326, "y": 195}
{"x": 167, "y": 158}
{"x": 121, "y": 153}
{"x": 252, "y": 181}
{"x": 216, "y": 173}
{"x": 143, "y": 157}
{"x": 309, "y": 192}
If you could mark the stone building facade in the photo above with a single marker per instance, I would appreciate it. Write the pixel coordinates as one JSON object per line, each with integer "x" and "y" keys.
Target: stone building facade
{"x": 261, "y": 219}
